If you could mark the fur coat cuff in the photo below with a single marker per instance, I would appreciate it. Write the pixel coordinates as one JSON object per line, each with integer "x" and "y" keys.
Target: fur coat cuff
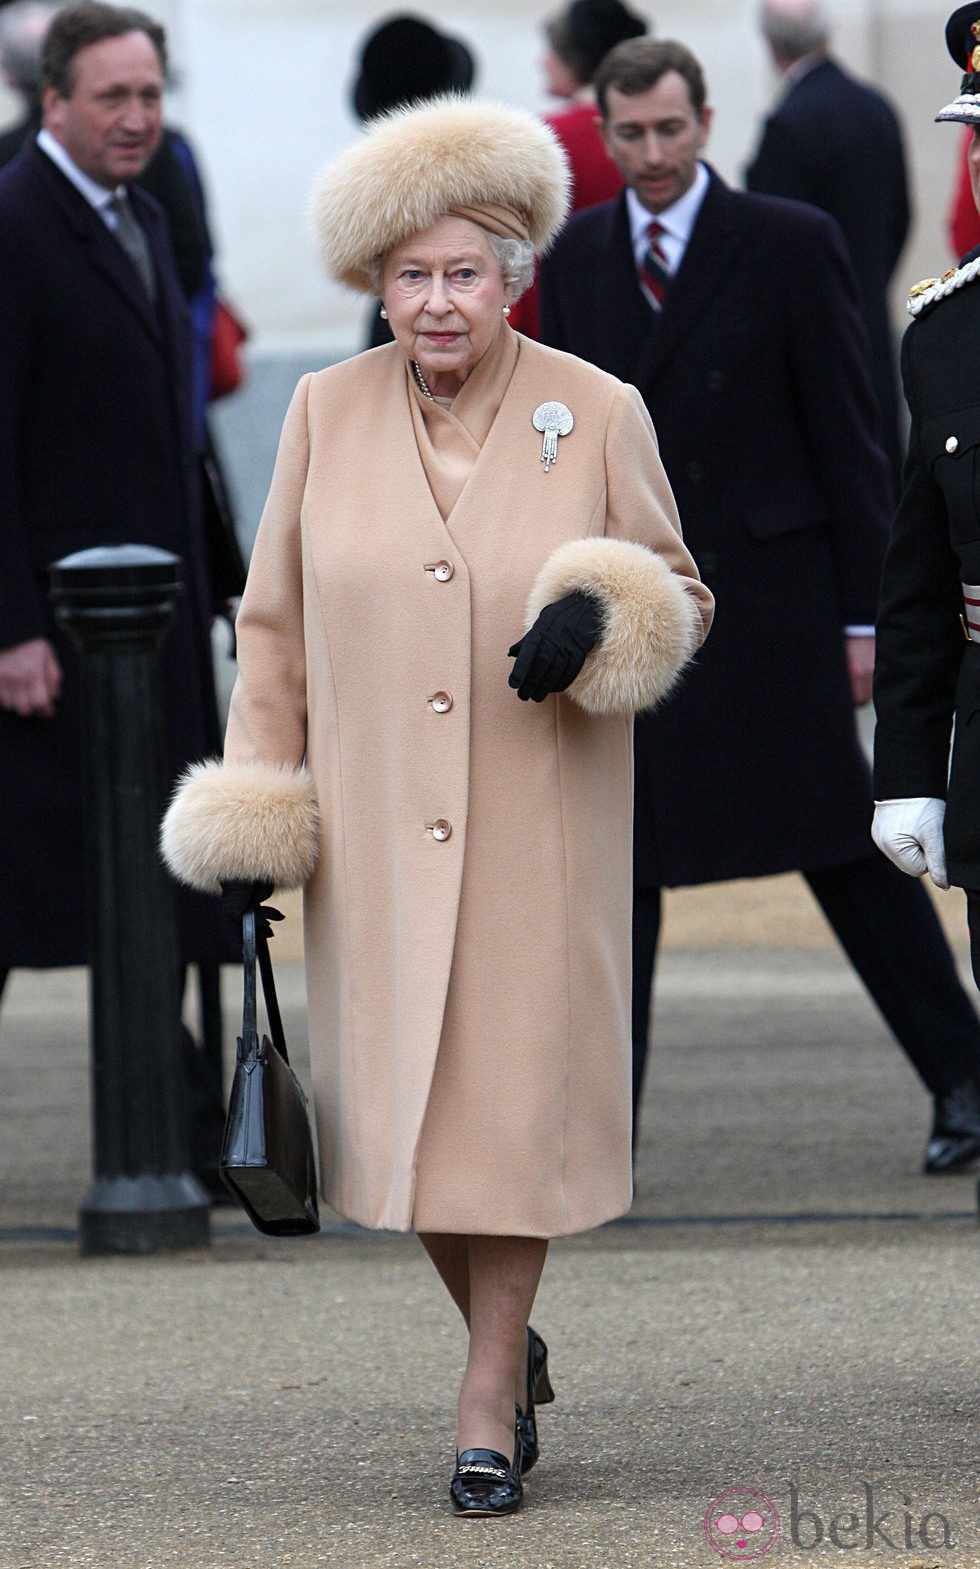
{"x": 241, "y": 822}
{"x": 651, "y": 625}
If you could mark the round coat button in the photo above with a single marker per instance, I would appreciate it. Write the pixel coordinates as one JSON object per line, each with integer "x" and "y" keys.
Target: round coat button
{"x": 951, "y": 444}
{"x": 441, "y": 829}
{"x": 442, "y": 702}
{"x": 443, "y": 571}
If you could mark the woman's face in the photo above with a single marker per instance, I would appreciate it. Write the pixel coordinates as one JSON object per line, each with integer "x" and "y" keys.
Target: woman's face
{"x": 444, "y": 293}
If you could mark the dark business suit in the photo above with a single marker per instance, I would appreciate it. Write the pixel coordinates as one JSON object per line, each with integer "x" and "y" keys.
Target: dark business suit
{"x": 96, "y": 447}
{"x": 836, "y": 143}
{"x": 754, "y": 376}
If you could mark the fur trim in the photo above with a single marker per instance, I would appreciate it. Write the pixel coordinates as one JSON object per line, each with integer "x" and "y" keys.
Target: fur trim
{"x": 651, "y": 624}
{"x": 415, "y": 163}
{"x": 241, "y": 822}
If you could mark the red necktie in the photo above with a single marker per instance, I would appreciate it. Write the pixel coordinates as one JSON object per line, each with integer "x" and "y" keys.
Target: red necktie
{"x": 654, "y": 271}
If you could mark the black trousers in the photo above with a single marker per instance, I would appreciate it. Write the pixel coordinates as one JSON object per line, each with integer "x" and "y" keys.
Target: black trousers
{"x": 886, "y": 924}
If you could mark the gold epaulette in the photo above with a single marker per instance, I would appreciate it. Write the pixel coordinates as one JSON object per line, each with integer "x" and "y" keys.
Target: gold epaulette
{"x": 931, "y": 290}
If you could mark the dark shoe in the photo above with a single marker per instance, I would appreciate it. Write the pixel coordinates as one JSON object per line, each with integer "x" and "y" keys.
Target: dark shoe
{"x": 539, "y": 1392}
{"x": 955, "y": 1138}
{"x": 486, "y": 1483}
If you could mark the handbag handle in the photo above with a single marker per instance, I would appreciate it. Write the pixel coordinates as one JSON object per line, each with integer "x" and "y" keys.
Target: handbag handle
{"x": 255, "y": 943}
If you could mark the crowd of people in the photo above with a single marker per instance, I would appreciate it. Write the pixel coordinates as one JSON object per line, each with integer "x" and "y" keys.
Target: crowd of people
{"x": 479, "y": 718}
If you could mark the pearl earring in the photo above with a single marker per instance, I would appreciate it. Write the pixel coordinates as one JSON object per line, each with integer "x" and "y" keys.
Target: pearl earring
{"x": 384, "y": 314}
{"x": 506, "y": 310}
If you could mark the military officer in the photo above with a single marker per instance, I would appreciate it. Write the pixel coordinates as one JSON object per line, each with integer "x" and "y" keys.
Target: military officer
{"x": 927, "y": 672}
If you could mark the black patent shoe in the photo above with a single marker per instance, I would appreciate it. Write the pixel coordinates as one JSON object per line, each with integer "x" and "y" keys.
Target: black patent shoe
{"x": 527, "y": 1428}
{"x": 955, "y": 1138}
{"x": 538, "y": 1392}
{"x": 485, "y": 1482}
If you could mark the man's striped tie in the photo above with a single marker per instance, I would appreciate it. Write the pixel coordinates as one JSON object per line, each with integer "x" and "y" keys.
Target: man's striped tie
{"x": 654, "y": 271}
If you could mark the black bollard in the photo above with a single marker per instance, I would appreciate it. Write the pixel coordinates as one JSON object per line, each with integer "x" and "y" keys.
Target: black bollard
{"x": 117, "y": 602}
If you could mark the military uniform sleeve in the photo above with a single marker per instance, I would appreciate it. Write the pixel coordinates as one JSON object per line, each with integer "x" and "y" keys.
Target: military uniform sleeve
{"x": 919, "y": 640}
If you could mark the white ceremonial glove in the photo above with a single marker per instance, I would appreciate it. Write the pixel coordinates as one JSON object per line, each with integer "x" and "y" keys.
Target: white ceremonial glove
{"x": 910, "y": 832}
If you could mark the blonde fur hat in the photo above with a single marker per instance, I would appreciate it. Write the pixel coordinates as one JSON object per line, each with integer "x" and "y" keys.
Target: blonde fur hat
{"x": 417, "y": 164}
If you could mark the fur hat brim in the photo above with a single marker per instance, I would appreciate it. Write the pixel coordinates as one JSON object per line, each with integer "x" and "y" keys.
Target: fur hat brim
{"x": 416, "y": 164}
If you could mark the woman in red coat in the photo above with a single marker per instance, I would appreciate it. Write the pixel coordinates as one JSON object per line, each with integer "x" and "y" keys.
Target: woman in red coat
{"x": 578, "y": 39}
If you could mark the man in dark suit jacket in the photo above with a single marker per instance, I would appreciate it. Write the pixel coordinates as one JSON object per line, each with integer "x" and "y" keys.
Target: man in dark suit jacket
{"x": 96, "y": 448}
{"x": 836, "y": 143}
{"x": 736, "y": 319}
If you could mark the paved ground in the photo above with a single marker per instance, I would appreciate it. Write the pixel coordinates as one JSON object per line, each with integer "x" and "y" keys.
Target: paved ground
{"x": 790, "y": 1310}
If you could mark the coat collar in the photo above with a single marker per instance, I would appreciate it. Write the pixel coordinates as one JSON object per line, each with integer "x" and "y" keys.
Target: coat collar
{"x": 626, "y": 322}
{"x": 105, "y": 253}
{"x": 450, "y": 439}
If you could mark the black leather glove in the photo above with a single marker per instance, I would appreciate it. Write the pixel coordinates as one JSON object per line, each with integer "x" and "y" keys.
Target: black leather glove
{"x": 552, "y": 653}
{"x": 237, "y": 898}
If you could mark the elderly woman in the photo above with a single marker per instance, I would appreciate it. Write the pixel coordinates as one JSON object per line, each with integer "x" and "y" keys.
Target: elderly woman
{"x": 465, "y": 854}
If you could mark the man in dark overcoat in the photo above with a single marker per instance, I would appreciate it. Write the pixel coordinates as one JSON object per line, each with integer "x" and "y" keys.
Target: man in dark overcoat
{"x": 96, "y": 448}
{"x": 735, "y": 316}
{"x": 927, "y": 680}
{"x": 836, "y": 142}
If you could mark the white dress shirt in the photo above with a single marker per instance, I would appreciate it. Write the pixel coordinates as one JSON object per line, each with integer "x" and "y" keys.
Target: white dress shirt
{"x": 95, "y": 194}
{"x": 676, "y": 222}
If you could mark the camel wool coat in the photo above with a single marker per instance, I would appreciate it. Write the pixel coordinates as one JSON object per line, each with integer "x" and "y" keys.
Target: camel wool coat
{"x": 466, "y": 856}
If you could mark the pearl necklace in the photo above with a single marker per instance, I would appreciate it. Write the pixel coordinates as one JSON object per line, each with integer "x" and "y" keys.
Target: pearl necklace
{"x": 423, "y": 385}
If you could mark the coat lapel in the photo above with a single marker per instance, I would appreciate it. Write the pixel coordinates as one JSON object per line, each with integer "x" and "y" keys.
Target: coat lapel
{"x": 105, "y": 254}
{"x": 704, "y": 267}
{"x": 626, "y": 325}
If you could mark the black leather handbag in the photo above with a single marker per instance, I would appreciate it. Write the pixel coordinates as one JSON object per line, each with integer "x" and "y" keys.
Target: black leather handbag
{"x": 267, "y": 1153}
